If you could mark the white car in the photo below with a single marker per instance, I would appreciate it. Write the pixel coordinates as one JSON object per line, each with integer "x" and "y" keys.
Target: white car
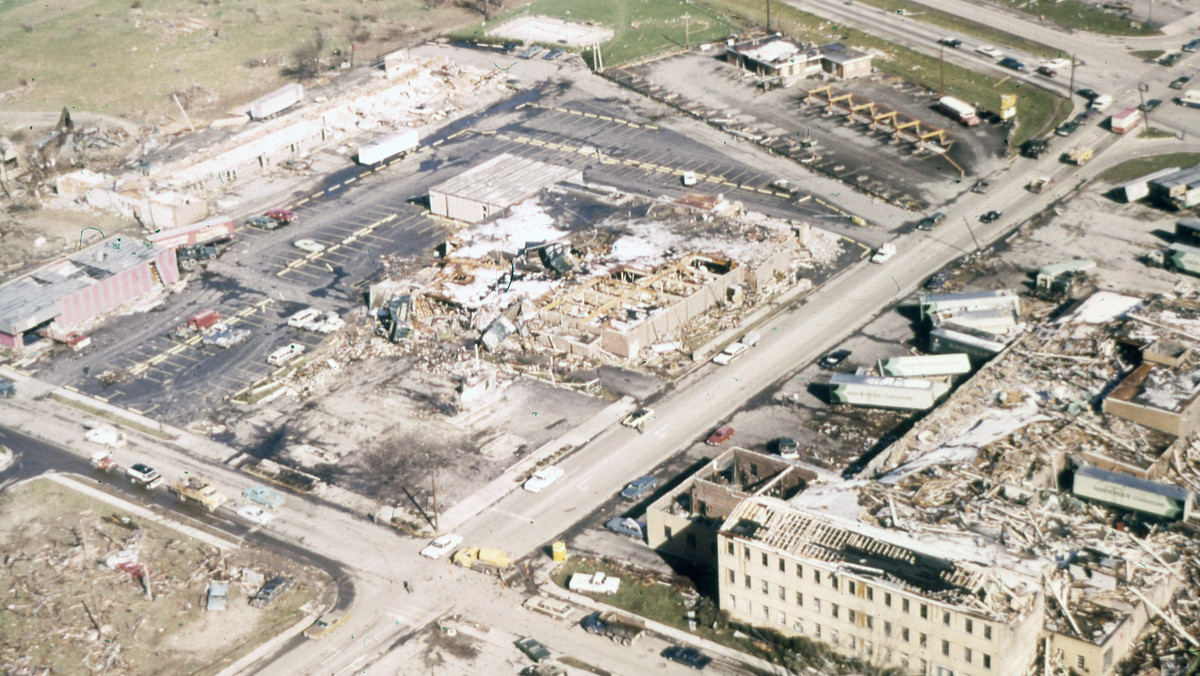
{"x": 285, "y": 354}
{"x": 441, "y": 546}
{"x": 304, "y": 318}
{"x": 255, "y": 514}
{"x": 730, "y": 353}
{"x": 105, "y": 436}
{"x": 542, "y": 478}
{"x": 990, "y": 52}
{"x": 309, "y": 245}
{"x": 1102, "y": 103}
{"x": 884, "y": 253}
{"x": 596, "y": 583}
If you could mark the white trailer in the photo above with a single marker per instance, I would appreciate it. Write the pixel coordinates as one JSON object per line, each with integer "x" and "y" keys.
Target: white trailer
{"x": 374, "y": 153}
{"x": 958, "y": 109}
{"x": 1191, "y": 98}
{"x": 281, "y": 99}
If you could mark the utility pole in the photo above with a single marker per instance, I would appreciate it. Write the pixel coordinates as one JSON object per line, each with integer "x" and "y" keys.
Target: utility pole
{"x": 768, "y": 16}
{"x": 1142, "y": 87}
{"x": 972, "y": 233}
{"x": 687, "y": 30}
{"x": 433, "y": 483}
{"x": 1071, "y": 87}
{"x": 941, "y": 69}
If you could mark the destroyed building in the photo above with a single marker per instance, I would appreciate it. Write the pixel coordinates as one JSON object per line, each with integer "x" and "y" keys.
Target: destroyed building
{"x": 685, "y": 521}
{"x": 775, "y": 56}
{"x": 69, "y": 293}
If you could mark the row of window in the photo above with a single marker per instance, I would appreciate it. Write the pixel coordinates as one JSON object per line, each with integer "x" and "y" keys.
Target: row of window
{"x": 852, "y": 642}
{"x": 854, "y": 588}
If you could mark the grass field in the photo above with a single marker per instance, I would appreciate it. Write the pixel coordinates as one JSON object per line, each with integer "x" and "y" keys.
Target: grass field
{"x": 640, "y": 27}
{"x": 126, "y": 57}
{"x": 1080, "y": 15}
{"x": 986, "y": 33}
{"x": 1127, "y": 171}
{"x": 1038, "y": 111}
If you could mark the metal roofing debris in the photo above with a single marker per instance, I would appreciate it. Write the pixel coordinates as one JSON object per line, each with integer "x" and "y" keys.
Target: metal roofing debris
{"x": 505, "y": 180}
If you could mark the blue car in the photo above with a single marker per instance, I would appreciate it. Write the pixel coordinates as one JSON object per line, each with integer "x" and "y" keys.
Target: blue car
{"x": 639, "y": 487}
{"x": 263, "y": 496}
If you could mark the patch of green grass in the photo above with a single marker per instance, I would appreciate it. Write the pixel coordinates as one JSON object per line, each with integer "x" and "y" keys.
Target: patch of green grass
{"x": 126, "y": 58}
{"x": 984, "y": 32}
{"x": 1148, "y": 54}
{"x": 1152, "y": 132}
{"x": 111, "y": 417}
{"x": 640, "y": 28}
{"x": 1080, "y": 15}
{"x": 1038, "y": 111}
{"x": 1127, "y": 171}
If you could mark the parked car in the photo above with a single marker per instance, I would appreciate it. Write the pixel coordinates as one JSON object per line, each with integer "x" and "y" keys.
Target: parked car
{"x": 1009, "y": 62}
{"x": 553, "y": 54}
{"x": 1180, "y": 82}
{"x": 262, "y": 222}
{"x": 1192, "y": 46}
{"x": 263, "y": 496}
{"x": 731, "y": 352}
{"x": 255, "y": 514}
{"x": 543, "y": 478}
{"x": 931, "y": 220}
{"x": 834, "y": 359}
{"x": 281, "y": 216}
{"x": 1150, "y": 105}
{"x": 325, "y": 625}
{"x": 627, "y": 526}
{"x": 981, "y": 186}
{"x": 309, "y": 245}
{"x": 638, "y": 418}
{"x": 990, "y": 217}
{"x": 1087, "y": 93}
{"x": 990, "y": 52}
{"x": 787, "y": 447}
{"x": 530, "y": 52}
{"x": 639, "y": 487}
{"x": 1047, "y": 71}
{"x": 687, "y": 656}
{"x": 720, "y": 435}
{"x": 532, "y": 649}
{"x": 1101, "y": 103}
{"x": 1170, "y": 59}
{"x": 7, "y": 388}
{"x": 950, "y": 42}
{"x": 270, "y": 591}
{"x": 143, "y": 475}
{"x": 938, "y": 281}
{"x": 285, "y": 354}
{"x": 303, "y": 318}
{"x": 441, "y": 545}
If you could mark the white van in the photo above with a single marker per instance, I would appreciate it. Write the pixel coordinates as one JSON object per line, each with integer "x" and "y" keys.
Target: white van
{"x": 285, "y": 354}
{"x": 688, "y": 178}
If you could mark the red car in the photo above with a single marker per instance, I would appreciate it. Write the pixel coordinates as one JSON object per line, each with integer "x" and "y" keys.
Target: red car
{"x": 720, "y": 435}
{"x": 283, "y": 216}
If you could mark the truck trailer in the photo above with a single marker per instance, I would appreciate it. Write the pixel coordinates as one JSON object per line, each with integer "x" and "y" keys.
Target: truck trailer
{"x": 959, "y": 110}
{"x": 198, "y": 490}
{"x": 1125, "y": 120}
{"x": 374, "y": 153}
{"x": 277, "y": 101}
{"x": 1190, "y": 98}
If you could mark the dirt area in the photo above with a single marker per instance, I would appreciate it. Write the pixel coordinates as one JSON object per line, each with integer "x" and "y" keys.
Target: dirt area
{"x": 67, "y": 610}
{"x": 551, "y": 31}
{"x": 34, "y": 236}
{"x": 868, "y": 161}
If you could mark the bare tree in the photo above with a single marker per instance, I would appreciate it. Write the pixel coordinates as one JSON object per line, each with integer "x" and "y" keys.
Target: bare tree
{"x": 306, "y": 59}
{"x": 484, "y": 7}
{"x": 356, "y": 34}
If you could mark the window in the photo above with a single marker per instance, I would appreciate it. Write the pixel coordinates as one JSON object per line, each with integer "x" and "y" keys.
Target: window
{"x": 732, "y": 576}
{"x": 799, "y": 570}
{"x": 817, "y": 631}
{"x": 753, "y": 469}
{"x": 817, "y": 576}
{"x": 1107, "y": 660}
{"x": 904, "y": 634}
{"x": 987, "y": 661}
{"x": 853, "y": 587}
{"x": 798, "y": 626}
{"x": 946, "y": 648}
{"x": 732, "y": 601}
{"x": 746, "y": 553}
{"x": 852, "y": 616}
{"x": 782, "y": 618}
{"x": 904, "y": 605}
{"x": 987, "y": 631}
{"x": 667, "y": 532}
{"x": 817, "y": 605}
{"x": 869, "y": 622}
{"x": 887, "y": 628}
{"x": 766, "y": 613}
{"x": 747, "y": 607}
{"x": 946, "y": 617}
{"x": 922, "y": 640}
{"x": 851, "y": 642}
{"x": 870, "y": 592}
{"x": 924, "y": 666}
{"x": 782, "y": 565}
{"x": 970, "y": 626}
{"x": 799, "y": 599}
{"x": 764, "y": 558}
{"x": 782, "y": 593}
{"x": 835, "y": 609}
{"x": 904, "y": 661}
{"x": 869, "y": 647}
{"x": 729, "y": 547}
{"x": 887, "y": 599}
{"x": 1079, "y": 661}
{"x": 833, "y": 637}
{"x": 747, "y": 582}
{"x": 764, "y": 587}
{"x": 691, "y": 541}
{"x": 833, "y": 581}
{"x": 924, "y": 612}
{"x": 967, "y": 655}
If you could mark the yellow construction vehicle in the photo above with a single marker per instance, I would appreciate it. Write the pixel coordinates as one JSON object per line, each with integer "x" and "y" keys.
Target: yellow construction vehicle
{"x": 192, "y": 488}
{"x": 482, "y": 558}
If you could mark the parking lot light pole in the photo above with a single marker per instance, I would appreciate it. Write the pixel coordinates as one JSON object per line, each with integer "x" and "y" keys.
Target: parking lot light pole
{"x": 1142, "y": 87}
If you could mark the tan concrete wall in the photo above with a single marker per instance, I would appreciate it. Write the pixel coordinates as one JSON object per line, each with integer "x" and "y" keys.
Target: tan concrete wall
{"x": 1163, "y": 421}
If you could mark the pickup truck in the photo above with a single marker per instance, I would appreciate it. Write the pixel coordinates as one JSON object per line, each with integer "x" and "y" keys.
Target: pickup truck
{"x": 198, "y": 490}
{"x": 884, "y": 253}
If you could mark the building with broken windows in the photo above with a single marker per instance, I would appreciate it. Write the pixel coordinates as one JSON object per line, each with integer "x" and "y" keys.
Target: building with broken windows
{"x": 778, "y": 57}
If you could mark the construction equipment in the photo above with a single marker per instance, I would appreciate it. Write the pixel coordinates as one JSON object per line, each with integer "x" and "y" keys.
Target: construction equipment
{"x": 1080, "y": 155}
{"x": 194, "y": 488}
{"x": 1039, "y": 184}
{"x": 619, "y": 627}
{"x": 482, "y": 558}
